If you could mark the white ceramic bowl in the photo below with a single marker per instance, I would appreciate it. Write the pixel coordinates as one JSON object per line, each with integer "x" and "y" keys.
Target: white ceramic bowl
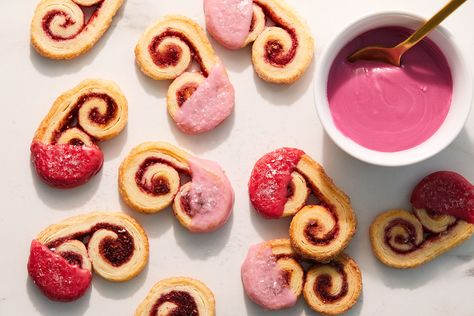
{"x": 457, "y": 115}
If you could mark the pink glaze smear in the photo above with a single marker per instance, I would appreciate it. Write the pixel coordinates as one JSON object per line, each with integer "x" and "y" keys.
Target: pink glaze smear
{"x": 228, "y": 21}
{"x": 268, "y": 184}
{"x": 66, "y": 166}
{"x": 264, "y": 282}
{"x": 55, "y": 276}
{"x": 209, "y": 105}
{"x": 387, "y": 108}
{"x": 211, "y": 197}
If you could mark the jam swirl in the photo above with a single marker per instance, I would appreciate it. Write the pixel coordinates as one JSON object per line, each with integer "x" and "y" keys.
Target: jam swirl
{"x": 185, "y": 304}
{"x": 324, "y": 284}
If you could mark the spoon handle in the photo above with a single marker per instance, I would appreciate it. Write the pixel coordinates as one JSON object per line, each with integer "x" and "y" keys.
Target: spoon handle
{"x": 430, "y": 24}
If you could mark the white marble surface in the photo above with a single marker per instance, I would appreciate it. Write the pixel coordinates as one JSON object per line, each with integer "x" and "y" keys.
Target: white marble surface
{"x": 266, "y": 117}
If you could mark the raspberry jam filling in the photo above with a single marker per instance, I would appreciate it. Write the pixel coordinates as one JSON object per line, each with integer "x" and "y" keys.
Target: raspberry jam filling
{"x": 312, "y": 230}
{"x": 66, "y": 166}
{"x": 185, "y": 304}
{"x": 158, "y": 185}
{"x": 323, "y": 287}
{"x": 270, "y": 179}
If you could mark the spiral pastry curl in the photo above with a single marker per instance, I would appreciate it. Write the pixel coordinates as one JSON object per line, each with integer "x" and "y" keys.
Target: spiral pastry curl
{"x": 402, "y": 239}
{"x": 333, "y": 288}
{"x": 64, "y": 150}
{"x": 279, "y": 186}
{"x": 153, "y": 176}
{"x": 59, "y": 29}
{"x": 271, "y": 275}
{"x": 280, "y": 53}
{"x": 197, "y": 101}
{"x": 178, "y": 296}
{"x": 62, "y": 256}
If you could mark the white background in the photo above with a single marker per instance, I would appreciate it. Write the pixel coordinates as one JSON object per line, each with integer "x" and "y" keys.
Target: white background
{"x": 266, "y": 117}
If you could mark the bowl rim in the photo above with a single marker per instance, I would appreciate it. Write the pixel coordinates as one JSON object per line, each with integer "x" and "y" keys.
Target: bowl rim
{"x": 351, "y": 147}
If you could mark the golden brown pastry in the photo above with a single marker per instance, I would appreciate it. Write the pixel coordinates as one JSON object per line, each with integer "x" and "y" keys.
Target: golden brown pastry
{"x": 333, "y": 288}
{"x": 402, "y": 239}
{"x": 64, "y": 150}
{"x": 59, "y": 29}
{"x": 279, "y": 186}
{"x": 271, "y": 275}
{"x": 63, "y": 255}
{"x": 197, "y": 101}
{"x": 154, "y": 175}
{"x": 178, "y": 296}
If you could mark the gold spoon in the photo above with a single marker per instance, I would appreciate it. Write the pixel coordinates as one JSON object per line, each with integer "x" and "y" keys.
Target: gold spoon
{"x": 392, "y": 55}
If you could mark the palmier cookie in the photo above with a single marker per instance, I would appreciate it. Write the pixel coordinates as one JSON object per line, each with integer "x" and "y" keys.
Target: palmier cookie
{"x": 64, "y": 150}
{"x": 333, "y": 288}
{"x": 178, "y": 296}
{"x": 63, "y": 255}
{"x": 197, "y": 101}
{"x": 404, "y": 239}
{"x": 271, "y": 276}
{"x": 280, "y": 53}
{"x": 59, "y": 29}
{"x": 279, "y": 186}
{"x": 153, "y": 175}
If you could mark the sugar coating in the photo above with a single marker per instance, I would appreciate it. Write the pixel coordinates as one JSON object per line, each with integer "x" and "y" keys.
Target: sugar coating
{"x": 55, "y": 276}
{"x": 66, "y": 166}
{"x": 269, "y": 181}
{"x": 209, "y": 105}
{"x": 228, "y": 21}
{"x": 445, "y": 192}
{"x": 264, "y": 282}
{"x": 211, "y": 196}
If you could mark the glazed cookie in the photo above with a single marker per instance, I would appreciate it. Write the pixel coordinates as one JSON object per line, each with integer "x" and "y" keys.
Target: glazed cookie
{"x": 271, "y": 276}
{"x": 153, "y": 176}
{"x": 333, "y": 288}
{"x": 197, "y": 101}
{"x": 59, "y": 29}
{"x": 63, "y": 255}
{"x": 178, "y": 296}
{"x": 64, "y": 150}
{"x": 279, "y": 186}
{"x": 280, "y": 53}
{"x": 403, "y": 239}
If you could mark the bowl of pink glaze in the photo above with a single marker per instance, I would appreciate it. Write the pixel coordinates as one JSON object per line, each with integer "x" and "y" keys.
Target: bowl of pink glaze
{"x": 387, "y": 115}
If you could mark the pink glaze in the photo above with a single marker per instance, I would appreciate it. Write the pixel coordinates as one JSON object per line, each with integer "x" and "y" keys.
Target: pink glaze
{"x": 228, "y": 21}
{"x": 388, "y": 108}
{"x": 211, "y": 196}
{"x": 268, "y": 184}
{"x": 209, "y": 105}
{"x": 66, "y": 166}
{"x": 55, "y": 276}
{"x": 264, "y": 282}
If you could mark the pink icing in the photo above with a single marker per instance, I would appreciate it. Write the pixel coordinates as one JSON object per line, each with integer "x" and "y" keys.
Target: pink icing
{"x": 264, "y": 282}
{"x": 228, "y": 21}
{"x": 209, "y": 105}
{"x": 388, "y": 108}
{"x": 211, "y": 196}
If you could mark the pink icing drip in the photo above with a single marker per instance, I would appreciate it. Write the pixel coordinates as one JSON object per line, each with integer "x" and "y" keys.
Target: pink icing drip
{"x": 228, "y": 21}
{"x": 209, "y": 105}
{"x": 211, "y": 196}
{"x": 388, "y": 108}
{"x": 264, "y": 282}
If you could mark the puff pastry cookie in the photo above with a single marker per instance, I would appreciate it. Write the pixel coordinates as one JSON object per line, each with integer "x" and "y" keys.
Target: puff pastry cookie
{"x": 59, "y": 29}
{"x": 197, "y": 101}
{"x": 64, "y": 150}
{"x": 404, "y": 239}
{"x": 178, "y": 296}
{"x": 333, "y": 288}
{"x": 271, "y": 276}
{"x": 279, "y": 186}
{"x": 63, "y": 255}
{"x": 280, "y": 53}
{"x": 153, "y": 176}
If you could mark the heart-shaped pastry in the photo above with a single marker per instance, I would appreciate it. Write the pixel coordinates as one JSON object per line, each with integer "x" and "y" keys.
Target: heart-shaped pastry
{"x": 59, "y": 29}
{"x": 64, "y": 150}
